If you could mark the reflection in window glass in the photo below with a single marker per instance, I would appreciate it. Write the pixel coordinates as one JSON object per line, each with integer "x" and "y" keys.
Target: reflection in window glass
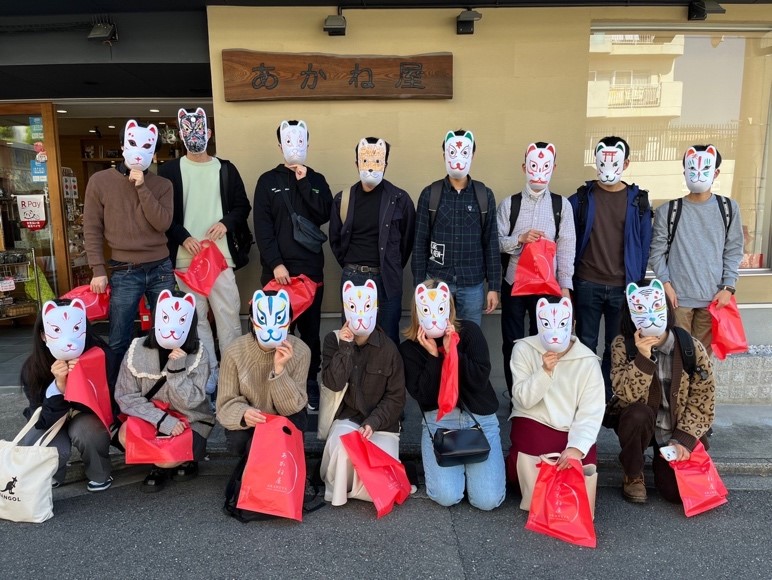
{"x": 665, "y": 91}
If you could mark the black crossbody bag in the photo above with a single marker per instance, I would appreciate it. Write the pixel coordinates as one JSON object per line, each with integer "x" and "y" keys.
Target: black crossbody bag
{"x": 460, "y": 446}
{"x": 304, "y": 231}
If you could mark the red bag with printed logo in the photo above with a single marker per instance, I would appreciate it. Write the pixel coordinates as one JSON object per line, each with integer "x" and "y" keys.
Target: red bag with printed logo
{"x": 144, "y": 444}
{"x": 560, "y": 506}
{"x": 383, "y": 476}
{"x": 700, "y": 486}
{"x": 301, "y": 290}
{"x": 204, "y": 269}
{"x": 535, "y": 273}
{"x": 728, "y": 332}
{"x": 97, "y": 305}
{"x": 274, "y": 479}
{"x": 87, "y": 385}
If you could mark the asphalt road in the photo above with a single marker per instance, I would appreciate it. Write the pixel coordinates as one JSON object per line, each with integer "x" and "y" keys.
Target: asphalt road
{"x": 182, "y": 533}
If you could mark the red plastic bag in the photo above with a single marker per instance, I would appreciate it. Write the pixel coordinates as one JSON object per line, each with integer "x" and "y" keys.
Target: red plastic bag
{"x": 97, "y": 305}
{"x": 700, "y": 486}
{"x": 383, "y": 476}
{"x": 301, "y": 290}
{"x": 728, "y": 331}
{"x": 145, "y": 445}
{"x": 144, "y": 315}
{"x": 87, "y": 385}
{"x": 204, "y": 269}
{"x": 448, "y": 395}
{"x": 274, "y": 480}
{"x": 534, "y": 274}
{"x": 560, "y": 507}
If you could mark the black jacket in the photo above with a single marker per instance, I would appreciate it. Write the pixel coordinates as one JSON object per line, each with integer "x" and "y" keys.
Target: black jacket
{"x": 235, "y": 206}
{"x": 311, "y": 198}
{"x": 396, "y": 233}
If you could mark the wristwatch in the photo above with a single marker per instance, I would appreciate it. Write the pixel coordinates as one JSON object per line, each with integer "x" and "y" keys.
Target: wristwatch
{"x": 728, "y": 288}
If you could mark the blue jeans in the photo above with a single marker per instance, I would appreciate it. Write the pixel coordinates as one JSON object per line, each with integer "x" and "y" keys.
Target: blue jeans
{"x": 484, "y": 482}
{"x": 591, "y": 301}
{"x": 389, "y": 309}
{"x": 128, "y": 284}
{"x": 470, "y": 301}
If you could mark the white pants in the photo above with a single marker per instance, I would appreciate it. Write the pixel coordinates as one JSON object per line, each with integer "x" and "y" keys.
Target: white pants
{"x": 225, "y": 302}
{"x": 341, "y": 481}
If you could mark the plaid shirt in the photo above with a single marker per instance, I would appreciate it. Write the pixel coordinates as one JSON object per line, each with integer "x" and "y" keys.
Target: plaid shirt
{"x": 457, "y": 249}
{"x": 536, "y": 214}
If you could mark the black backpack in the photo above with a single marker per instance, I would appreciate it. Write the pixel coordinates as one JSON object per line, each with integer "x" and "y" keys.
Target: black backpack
{"x": 242, "y": 235}
{"x": 514, "y": 212}
{"x": 311, "y": 503}
{"x": 674, "y": 208}
{"x": 641, "y": 201}
{"x": 686, "y": 345}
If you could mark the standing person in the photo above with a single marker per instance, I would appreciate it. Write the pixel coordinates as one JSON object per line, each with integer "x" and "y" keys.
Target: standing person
{"x": 697, "y": 245}
{"x": 263, "y": 372}
{"x": 129, "y": 209}
{"x": 526, "y": 217}
{"x": 432, "y": 331}
{"x": 372, "y": 228}
{"x": 361, "y": 359}
{"x": 306, "y": 191}
{"x": 613, "y": 236}
{"x": 664, "y": 387}
{"x": 456, "y": 240}
{"x": 168, "y": 366}
{"x": 210, "y": 203}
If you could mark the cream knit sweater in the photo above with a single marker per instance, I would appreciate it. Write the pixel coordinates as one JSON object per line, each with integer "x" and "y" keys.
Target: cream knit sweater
{"x": 246, "y": 380}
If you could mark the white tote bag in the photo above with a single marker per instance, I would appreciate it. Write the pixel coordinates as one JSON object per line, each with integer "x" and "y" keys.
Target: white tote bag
{"x": 26, "y": 474}
{"x": 329, "y": 403}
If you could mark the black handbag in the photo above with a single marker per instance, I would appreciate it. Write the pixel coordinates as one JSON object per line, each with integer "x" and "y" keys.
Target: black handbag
{"x": 304, "y": 231}
{"x": 460, "y": 446}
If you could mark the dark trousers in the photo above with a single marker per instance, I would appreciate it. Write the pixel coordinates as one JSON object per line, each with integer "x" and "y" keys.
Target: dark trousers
{"x": 591, "y": 301}
{"x": 636, "y": 434}
{"x": 389, "y": 309}
{"x": 237, "y": 442}
{"x": 307, "y": 325}
{"x": 513, "y": 311}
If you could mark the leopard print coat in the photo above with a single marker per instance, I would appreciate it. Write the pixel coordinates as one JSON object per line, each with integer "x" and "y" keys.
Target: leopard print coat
{"x": 693, "y": 405}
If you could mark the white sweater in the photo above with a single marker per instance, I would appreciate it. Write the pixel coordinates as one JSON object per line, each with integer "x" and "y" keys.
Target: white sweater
{"x": 572, "y": 400}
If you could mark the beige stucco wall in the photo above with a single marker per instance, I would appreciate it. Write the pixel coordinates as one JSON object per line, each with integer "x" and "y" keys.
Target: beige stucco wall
{"x": 521, "y": 77}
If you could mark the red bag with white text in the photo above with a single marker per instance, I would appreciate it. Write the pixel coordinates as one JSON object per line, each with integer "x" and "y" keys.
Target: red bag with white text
{"x": 204, "y": 269}
{"x": 87, "y": 385}
{"x": 700, "y": 486}
{"x": 301, "y": 290}
{"x": 144, "y": 444}
{"x": 728, "y": 331}
{"x": 97, "y": 305}
{"x": 274, "y": 479}
{"x": 560, "y": 506}
{"x": 535, "y": 273}
{"x": 383, "y": 476}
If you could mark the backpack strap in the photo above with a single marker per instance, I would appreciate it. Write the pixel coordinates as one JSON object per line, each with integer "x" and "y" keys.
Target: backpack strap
{"x": 514, "y": 211}
{"x": 583, "y": 194}
{"x": 155, "y": 388}
{"x": 482, "y": 201}
{"x": 674, "y": 208}
{"x": 686, "y": 344}
{"x": 725, "y": 206}
{"x": 345, "y": 198}
{"x": 434, "y": 201}
{"x": 557, "y": 211}
{"x": 641, "y": 201}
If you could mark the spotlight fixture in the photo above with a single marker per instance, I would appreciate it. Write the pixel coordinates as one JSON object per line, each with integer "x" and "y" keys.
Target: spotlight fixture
{"x": 61, "y": 111}
{"x": 699, "y": 9}
{"x": 104, "y": 31}
{"x": 465, "y": 21}
{"x": 335, "y": 25}
{"x": 155, "y": 110}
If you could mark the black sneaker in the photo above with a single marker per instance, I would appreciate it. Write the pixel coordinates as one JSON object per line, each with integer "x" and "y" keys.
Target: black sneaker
{"x": 155, "y": 480}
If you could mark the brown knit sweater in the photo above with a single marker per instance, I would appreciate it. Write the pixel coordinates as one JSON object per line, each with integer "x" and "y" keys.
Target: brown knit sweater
{"x": 132, "y": 220}
{"x": 246, "y": 381}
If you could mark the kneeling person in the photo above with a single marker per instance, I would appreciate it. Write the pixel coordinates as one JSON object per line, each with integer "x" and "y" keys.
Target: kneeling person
{"x": 261, "y": 372}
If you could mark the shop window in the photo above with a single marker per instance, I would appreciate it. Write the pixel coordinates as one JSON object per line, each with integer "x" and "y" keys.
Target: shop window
{"x": 668, "y": 91}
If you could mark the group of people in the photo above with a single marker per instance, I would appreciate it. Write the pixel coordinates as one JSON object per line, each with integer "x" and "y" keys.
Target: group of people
{"x": 654, "y": 386}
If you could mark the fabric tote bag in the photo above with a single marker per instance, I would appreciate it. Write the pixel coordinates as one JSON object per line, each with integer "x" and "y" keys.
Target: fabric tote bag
{"x": 26, "y": 473}
{"x": 535, "y": 271}
{"x": 329, "y": 403}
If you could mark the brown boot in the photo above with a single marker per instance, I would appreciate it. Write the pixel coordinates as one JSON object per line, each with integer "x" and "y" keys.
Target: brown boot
{"x": 633, "y": 489}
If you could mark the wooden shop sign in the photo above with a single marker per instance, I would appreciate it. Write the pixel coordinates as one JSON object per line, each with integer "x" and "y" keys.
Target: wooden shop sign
{"x": 271, "y": 76}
